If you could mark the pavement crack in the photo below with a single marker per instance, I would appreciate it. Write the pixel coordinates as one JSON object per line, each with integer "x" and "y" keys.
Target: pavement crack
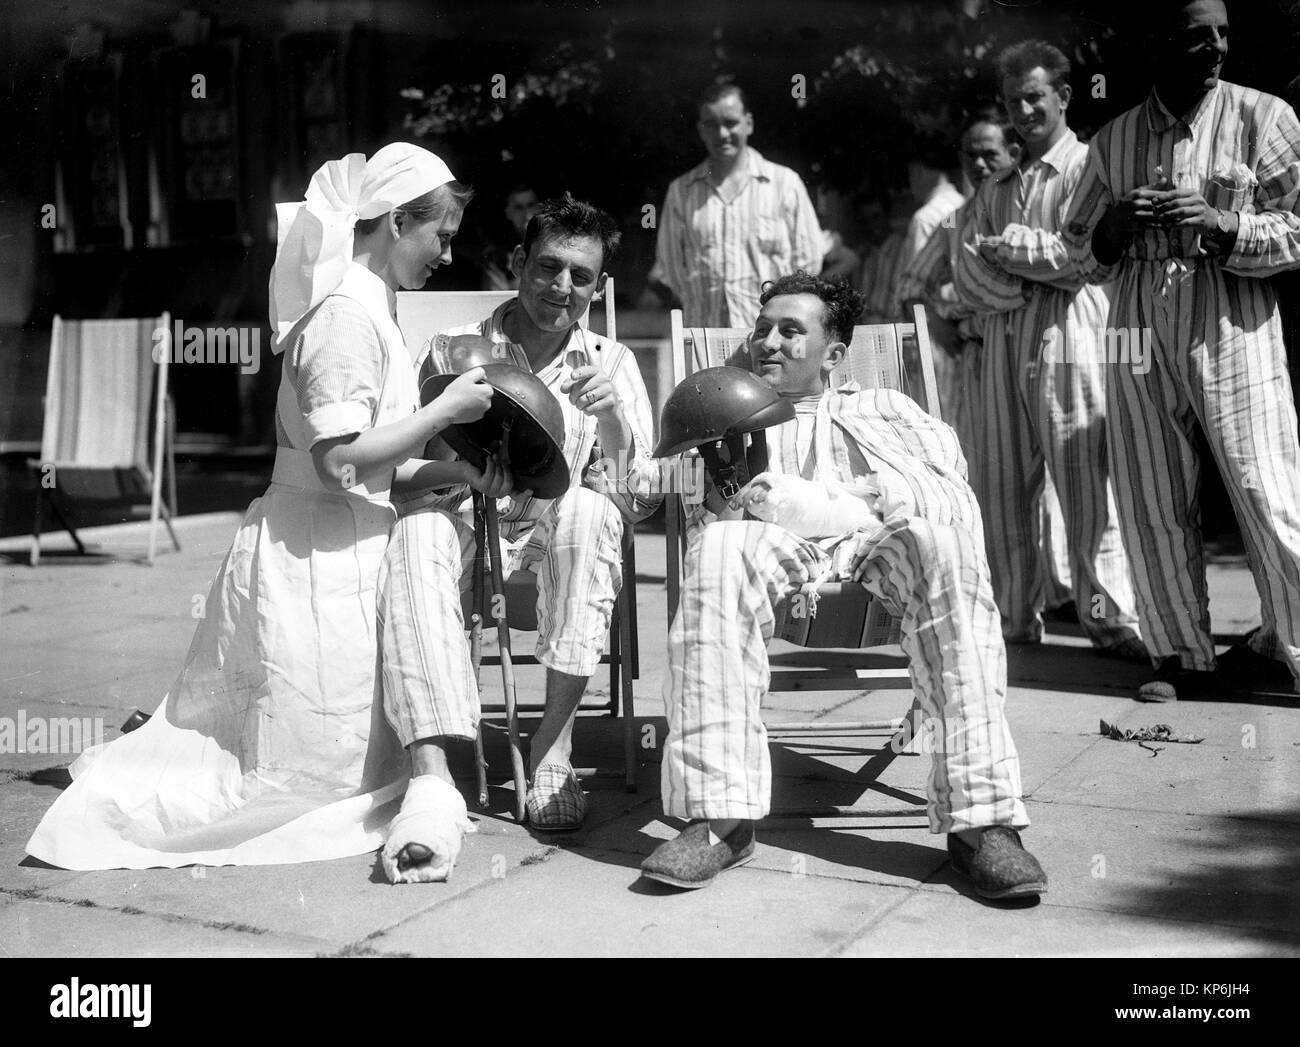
{"x": 35, "y": 894}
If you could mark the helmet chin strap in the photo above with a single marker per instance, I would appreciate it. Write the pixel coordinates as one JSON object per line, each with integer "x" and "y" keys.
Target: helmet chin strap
{"x": 730, "y": 466}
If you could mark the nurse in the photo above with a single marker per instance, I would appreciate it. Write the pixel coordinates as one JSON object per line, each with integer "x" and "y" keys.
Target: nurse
{"x": 271, "y": 747}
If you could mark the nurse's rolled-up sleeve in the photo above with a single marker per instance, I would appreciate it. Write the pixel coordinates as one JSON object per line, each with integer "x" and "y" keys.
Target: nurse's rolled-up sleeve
{"x": 339, "y": 363}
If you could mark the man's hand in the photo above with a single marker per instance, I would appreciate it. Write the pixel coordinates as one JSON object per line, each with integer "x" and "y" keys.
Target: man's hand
{"x": 752, "y": 494}
{"x": 494, "y": 480}
{"x": 988, "y": 247}
{"x": 1134, "y": 212}
{"x": 1131, "y": 214}
{"x": 1186, "y": 208}
{"x": 590, "y": 390}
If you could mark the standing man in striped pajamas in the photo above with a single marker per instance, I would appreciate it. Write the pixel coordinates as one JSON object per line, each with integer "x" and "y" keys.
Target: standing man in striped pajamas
{"x": 989, "y": 146}
{"x": 734, "y": 221}
{"x": 1190, "y": 201}
{"x": 931, "y": 175}
{"x": 1043, "y": 378}
{"x": 862, "y": 485}
{"x": 572, "y": 543}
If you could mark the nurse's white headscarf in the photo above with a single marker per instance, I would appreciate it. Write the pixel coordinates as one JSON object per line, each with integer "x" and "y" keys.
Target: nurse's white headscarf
{"x": 314, "y": 245}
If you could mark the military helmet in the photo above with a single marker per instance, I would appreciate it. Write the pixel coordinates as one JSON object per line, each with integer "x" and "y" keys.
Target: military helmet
{"x": 713, "y": 410}
{"x": 523, "y": 426}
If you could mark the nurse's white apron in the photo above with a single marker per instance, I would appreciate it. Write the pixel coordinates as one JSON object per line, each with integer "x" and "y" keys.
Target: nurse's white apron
{"x": 272, "y": 746}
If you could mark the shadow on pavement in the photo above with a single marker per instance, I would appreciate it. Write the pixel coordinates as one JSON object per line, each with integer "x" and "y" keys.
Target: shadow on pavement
{"x": 1239, "y": 868}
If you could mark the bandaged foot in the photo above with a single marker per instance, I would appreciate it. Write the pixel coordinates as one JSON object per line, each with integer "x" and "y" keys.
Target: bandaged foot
{"x": 425, "y": 837}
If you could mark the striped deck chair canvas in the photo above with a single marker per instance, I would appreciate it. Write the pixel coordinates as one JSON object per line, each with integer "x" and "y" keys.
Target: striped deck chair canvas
{"x": 105, "y": 403}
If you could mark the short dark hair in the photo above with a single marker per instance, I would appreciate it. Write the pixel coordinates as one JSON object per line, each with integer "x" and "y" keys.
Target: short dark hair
{"x": 1028, "y": 55}
{"x": 717, "y": 92}
{"x": 842, "y": 304}
{"x": 994, "y": 114}
{"x": 565, "y": 216}
{"x": 433, "y": 204}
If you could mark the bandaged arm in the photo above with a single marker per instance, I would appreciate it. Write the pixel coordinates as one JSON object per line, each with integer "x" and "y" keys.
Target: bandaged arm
{"x": 812, "y": 508}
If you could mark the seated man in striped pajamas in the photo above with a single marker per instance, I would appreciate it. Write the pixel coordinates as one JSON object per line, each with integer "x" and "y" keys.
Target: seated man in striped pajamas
{"x": 862, "y": 485}
{"x": 572, "y": 544}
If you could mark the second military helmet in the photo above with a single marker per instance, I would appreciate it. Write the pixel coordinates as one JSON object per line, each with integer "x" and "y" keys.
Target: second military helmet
{"x": 712, "y": 410}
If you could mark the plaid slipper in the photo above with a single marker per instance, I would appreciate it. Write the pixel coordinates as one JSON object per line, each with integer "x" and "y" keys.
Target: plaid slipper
{"x": 555, "y": 802}
{"x": 690, "y": 861}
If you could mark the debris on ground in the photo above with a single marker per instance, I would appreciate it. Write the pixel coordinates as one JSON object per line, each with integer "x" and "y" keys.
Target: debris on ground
{"x": 1161, "y": 732}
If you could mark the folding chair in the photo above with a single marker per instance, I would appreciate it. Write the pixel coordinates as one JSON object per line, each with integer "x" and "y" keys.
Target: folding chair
{"x": 420, "y": 315}
{"x": 895, "y": 356}
{"x": 95, "y": 443}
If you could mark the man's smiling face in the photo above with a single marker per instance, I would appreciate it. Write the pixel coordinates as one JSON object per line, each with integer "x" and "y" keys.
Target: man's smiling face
{"x": 1196, "y": 46}
{"x": 1034, "y": 105}
{"x": 724, "y": 128}
{"x": 790, "y": 348}
{"x": 558, "y": 278}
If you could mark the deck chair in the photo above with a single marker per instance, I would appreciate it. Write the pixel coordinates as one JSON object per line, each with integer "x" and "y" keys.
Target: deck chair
{"x": 896, "y": 356}
{"x": 105, "y": 402}
{"x": 421, "y": 314}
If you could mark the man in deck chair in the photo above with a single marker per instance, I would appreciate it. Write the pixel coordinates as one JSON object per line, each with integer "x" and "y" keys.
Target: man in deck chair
{"x": 862, "y": 485}
{"x": 572, "y": 543}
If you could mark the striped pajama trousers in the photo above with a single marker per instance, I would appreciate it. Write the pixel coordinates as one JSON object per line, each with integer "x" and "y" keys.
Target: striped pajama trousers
{"x": 1044, "y": 413}
{"x": 1216, "y": 356}
{"x": 716, "y": 762}
{"x": 428, "y": 682}
{"x": 1054, "y": 544}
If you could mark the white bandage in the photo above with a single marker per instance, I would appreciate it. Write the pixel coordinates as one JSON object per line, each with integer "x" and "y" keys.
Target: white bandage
{"x": 809, "y": 508}
{"x": 433, "y": 815}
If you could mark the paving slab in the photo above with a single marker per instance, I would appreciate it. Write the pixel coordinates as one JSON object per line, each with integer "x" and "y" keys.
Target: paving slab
{"x": 1219, "y": 779}
{"x": 339, "y": 902}
{"x": 1232, "y": 871}
{"x": 22, "y": 805}
{"x": 609, "y": 911}
{"x": 933, "y": 923}
{"x": 30, "y": 927}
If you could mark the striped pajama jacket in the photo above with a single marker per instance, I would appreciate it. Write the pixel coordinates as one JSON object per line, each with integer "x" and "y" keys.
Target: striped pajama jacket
{"x": 924, "y": 558}
{"x": 718, "y": 245}
{"x": 572, "y": 544}
{"x": 931, "y": 218}
{"x": 928, "y": 277}
{"x": 1043, "y": 384}
{"x": 1212, "y": 352}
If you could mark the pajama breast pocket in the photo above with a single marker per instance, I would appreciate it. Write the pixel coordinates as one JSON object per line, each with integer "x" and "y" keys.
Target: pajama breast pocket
{"x": 1232, "y": 189}
{"x": 769, "y": 233}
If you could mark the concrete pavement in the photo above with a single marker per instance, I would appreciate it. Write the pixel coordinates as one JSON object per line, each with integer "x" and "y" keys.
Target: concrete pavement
{"x": 1191, "y": 850}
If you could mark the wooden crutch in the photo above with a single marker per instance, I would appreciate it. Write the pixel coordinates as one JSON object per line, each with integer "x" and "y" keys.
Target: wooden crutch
{"x": 488, "y": 509}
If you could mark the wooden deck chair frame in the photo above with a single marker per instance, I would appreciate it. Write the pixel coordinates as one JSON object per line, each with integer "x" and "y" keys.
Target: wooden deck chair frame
{"x": 848, "y": 618}
{"x": 123, "y": 479}
{"x": 421, "y": 314}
